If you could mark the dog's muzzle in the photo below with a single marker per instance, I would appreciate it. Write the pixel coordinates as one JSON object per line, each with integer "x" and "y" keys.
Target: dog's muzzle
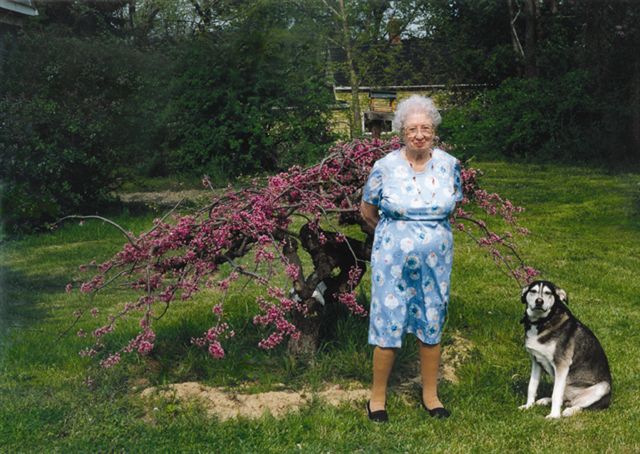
{"x": 539, "y": 303}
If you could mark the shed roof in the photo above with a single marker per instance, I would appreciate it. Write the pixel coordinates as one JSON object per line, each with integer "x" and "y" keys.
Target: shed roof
{"x": 25, "y": 7}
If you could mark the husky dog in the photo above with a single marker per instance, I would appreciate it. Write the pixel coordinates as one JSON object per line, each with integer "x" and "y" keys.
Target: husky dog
{"x": 566, "y": 349}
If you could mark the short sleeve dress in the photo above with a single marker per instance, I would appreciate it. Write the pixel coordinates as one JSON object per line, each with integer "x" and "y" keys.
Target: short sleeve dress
{"x": 412, "y": 248}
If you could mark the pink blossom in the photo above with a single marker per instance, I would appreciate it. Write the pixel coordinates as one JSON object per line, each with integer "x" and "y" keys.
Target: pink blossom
{"x": 350, "y": 300}
{"x": 224, "y": 284}
{"x": 144, "y": 347}
{"x": 216, "y": 350}
{"x": 292, "y": 271}
{"x": 111, "y": 361}
{"x": 355, "y": 273}
{"x": 199, "y": 341}
{"x": 106, "y": 266}
{"x": 99, "y": 332}
{"x": 254, "y": 225}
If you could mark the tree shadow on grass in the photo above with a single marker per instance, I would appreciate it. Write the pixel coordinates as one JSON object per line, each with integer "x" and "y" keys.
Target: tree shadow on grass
{"x": 20, "y": 300}
{"x": 635, "y": 211}
{"x": 520, "y": 385}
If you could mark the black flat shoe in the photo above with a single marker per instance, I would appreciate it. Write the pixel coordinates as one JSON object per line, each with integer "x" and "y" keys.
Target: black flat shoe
{"x": 378, "y": 415}
{"x": 439, "y": 413}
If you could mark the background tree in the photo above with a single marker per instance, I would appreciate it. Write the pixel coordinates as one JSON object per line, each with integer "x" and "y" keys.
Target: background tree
{"x": 579, "y": 102}
{"x": 70, "y": 119}
{"x": 226, "y": 88}
{"x": 366, "y": 49}
{"x": 250, "y": 96}
{"x": 231, "y": 87}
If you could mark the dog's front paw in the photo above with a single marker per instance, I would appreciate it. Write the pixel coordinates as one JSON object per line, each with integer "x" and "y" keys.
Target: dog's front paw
{"x": 553, "y": 416}
{"x": 571, "y": 411}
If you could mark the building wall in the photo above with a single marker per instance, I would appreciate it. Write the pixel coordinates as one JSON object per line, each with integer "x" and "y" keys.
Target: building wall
{"x": 445, "y": 97}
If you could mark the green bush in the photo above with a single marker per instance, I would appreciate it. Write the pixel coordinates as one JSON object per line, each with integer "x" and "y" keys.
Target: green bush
{"x": 69, "y": 125}
{"x": 539, "y": 119}
{"x": 238, "y": 106}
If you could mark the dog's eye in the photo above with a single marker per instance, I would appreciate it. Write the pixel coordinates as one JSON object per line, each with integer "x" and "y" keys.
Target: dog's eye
{"x": 533, "y": 290}
{"x": 547, "y": 293}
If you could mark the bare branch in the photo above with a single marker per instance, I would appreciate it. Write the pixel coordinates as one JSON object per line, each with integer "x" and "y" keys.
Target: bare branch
{"x": 108, "y": 221}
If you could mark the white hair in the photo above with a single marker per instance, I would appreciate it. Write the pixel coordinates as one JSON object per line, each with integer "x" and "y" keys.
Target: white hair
{"x": 415, "y": 104}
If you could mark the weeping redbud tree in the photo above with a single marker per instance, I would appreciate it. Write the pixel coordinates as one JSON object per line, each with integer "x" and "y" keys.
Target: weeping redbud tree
{"x": 211, "y": 246}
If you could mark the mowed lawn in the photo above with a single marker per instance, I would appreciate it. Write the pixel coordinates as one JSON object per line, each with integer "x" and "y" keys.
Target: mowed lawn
{"x": 585, "y": 237}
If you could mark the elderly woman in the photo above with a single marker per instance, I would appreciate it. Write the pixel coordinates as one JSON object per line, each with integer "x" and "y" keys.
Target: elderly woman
{"x": 408, "y": 198}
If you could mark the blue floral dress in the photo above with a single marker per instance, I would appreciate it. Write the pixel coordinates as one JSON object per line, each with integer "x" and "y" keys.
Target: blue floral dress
{"x": 412, "y": 247}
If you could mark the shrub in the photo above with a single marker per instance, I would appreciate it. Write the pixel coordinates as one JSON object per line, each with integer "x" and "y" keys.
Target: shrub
{"x": 237, "y": 106}
{"x": 68, "y": 123}
{"x": 531, "y": 119}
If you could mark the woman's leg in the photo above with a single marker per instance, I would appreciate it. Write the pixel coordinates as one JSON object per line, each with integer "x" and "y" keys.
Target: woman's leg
{"x": 382, "y": 363}
{"x": 429, "y": 366}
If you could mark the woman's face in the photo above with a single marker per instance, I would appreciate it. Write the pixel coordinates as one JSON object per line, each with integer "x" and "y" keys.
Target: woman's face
{"x": 419, "y": 132}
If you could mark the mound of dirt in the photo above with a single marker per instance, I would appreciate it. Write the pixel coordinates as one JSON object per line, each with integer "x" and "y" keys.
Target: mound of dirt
{"x": 225, "y": 405}
{"x": 453, "y": 355}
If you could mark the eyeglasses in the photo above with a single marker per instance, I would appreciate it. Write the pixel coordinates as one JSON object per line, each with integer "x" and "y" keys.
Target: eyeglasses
{"x": 426, "y": 130}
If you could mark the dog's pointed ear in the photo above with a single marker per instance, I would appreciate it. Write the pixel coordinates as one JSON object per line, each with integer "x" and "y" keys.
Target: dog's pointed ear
{"x": 523, "y": 298}
{"x": 562, "y": 295}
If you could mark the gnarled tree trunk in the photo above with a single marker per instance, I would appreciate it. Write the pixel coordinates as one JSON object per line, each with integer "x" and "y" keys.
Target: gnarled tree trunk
{"x": 332, "y": 258}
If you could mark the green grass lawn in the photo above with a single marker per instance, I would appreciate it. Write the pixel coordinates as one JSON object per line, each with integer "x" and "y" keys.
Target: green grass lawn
{"x": 585, "y": 236}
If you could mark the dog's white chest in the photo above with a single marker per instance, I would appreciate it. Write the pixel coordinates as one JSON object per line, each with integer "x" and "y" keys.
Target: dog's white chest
{"x": 543, "y": 353}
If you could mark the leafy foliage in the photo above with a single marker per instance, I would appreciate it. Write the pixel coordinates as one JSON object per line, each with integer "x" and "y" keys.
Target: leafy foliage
{"x": 250, "y": 99}
{"x": 232, "y": 88}
{"x": 529, "y": 118}
{"x": 79, "y": 115}
{"x": 584, "y": 103}
{"x": 441, "y": 42}
{"x": 68, "y": 124}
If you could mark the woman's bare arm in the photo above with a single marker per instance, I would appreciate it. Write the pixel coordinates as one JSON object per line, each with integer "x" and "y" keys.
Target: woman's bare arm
{"x": 369, "y": 214}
